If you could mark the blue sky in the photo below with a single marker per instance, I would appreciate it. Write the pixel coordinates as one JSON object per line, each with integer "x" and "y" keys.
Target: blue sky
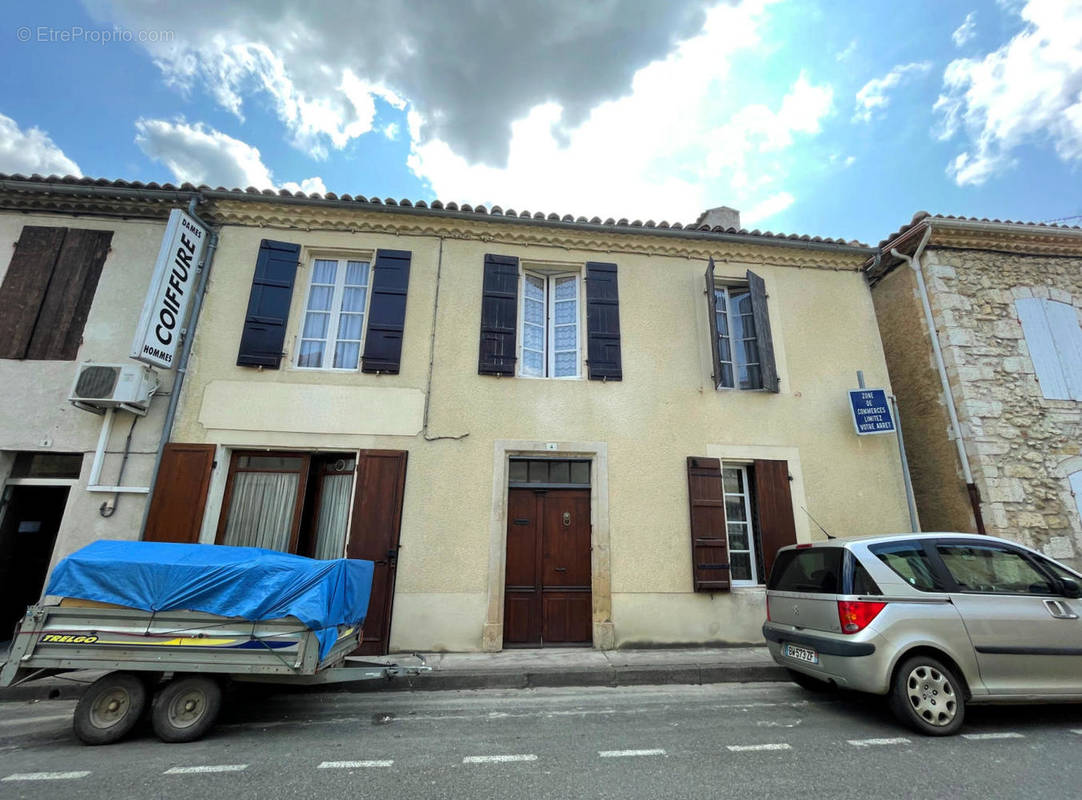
{"x": 832, "y": 119}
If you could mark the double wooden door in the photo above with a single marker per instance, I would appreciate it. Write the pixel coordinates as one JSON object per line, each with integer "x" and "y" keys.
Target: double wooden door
{"x": 547, "y": 598}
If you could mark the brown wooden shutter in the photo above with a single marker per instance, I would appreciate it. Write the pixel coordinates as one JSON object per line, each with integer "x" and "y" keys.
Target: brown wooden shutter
{"x": 774, "y": 503}
{"x": 499, "y": 316}
{"x": 263, "y": 337}
{"x": 25, "y": 284}
{"x": 59, "y": 330}
{"x": 712, "y": 313}
{"x": 763, "y": 340}
{"x": 180, "y": 493}
{"x": 603, "y": 322}
{"x": 387, "y": 312}
{"x": 709, "y": 541}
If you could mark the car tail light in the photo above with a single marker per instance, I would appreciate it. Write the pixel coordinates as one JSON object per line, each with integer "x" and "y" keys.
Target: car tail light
{"x": 855, "y": 615}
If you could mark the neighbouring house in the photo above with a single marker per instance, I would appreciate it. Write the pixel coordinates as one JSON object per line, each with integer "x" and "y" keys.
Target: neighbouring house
{"x": 1004, "y": 300}
{"x": 544, "y": 430}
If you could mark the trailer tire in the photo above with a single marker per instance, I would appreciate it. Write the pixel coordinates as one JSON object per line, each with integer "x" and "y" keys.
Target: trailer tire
{"x": 110, "y": 708}
{"x": 186, "y": 708}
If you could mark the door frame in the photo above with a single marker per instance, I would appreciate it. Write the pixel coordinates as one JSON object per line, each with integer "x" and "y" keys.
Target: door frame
{"x": 600, "y": 558}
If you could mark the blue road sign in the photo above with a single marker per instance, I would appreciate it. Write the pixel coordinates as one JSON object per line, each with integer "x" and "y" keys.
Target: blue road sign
{"x": 871, "y": 411}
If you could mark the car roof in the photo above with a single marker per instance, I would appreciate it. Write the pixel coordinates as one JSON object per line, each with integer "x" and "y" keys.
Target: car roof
{"x": 895, "y": 537}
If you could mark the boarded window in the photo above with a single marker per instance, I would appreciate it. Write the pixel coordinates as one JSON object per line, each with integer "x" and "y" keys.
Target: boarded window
{"x": 1054, "y": 340}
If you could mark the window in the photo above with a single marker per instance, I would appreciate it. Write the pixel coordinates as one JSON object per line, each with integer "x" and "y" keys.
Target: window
{"x": 909, "y": 560}
{"x": 550, "y": 326}
{"x": 738, "y": 525}
{"x": 334, "y": 314}
{"x": 1054, "y": 340}
{"x": 740, "y": 340}
{"x": 983, "y": 568}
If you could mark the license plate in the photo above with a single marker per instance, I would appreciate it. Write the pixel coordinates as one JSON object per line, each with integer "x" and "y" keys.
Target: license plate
{"x": 805, "y": 654}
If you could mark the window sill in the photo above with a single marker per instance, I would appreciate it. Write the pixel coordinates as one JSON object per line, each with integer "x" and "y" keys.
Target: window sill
{"x": 751, "y": 588}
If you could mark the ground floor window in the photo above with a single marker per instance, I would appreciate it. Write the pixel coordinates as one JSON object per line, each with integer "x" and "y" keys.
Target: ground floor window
{"x": 740, "y": 525}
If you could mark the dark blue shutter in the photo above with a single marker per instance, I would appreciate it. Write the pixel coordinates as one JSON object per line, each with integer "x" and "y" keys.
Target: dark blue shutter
{"x": 264, "y": 335}
{"x": 499, "y": 316}
{"x": 602, "y": 322}
{"x": 387, "y": 312}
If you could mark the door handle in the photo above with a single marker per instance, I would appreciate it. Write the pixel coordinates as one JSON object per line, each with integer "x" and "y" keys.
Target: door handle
{"x": 561, "y": 569}
{"x": 1059, "y": 609}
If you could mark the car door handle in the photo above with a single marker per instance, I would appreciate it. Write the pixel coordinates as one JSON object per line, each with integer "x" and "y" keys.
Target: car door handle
{"x": 1059, "y": 609}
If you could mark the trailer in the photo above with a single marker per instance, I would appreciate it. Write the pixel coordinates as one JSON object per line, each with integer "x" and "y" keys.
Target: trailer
{"x": 173, "y": 663}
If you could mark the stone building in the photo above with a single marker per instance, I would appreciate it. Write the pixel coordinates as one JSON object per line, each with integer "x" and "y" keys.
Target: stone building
{"x": 1005, "y": 300}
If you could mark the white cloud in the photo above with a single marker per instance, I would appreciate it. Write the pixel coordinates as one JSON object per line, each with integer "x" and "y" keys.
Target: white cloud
{"x": 1027, "y": 91}
{"x": 845, "y": 54}
{"x": 390, "y": 130}
{"x": 966, "y": 31}
{"x": 872, "y": 97}
{"x": 31, "y": 151}
{"x": 767, "y": 208}
{"x": 202, "y": 155}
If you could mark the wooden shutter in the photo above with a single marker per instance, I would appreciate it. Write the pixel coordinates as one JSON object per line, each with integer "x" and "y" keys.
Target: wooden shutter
{"x": 25, "y": 284}
{"x": 499, "y": 316}
{"x": 264, "y": 335}
{"x": 1054, "y": 341}
{"x": 774, "y": 503}
{"x": 59, "y": 329}
{"x": 603, "y": 322}
{"x": 180, "y": 493}
{"x": 767, "y": 368}
{"x": 709, "y": 540}
{"x": 387, "y": 312}
{"x": 712, "y": 313}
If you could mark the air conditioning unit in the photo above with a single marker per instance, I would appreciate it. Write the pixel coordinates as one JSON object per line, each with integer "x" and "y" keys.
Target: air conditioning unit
{"x": 125, "y": 386}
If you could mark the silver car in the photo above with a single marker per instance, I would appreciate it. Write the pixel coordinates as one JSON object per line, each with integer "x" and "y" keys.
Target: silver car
{"x": 932, "y": 620}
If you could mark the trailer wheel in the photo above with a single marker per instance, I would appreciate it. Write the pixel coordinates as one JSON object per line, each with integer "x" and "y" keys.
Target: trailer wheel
{"x": 110, "y": 708}
{"x": 186, "y": 708}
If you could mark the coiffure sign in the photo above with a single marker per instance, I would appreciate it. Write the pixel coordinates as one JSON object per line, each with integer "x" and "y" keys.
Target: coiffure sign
{"x": 171, "y": 288}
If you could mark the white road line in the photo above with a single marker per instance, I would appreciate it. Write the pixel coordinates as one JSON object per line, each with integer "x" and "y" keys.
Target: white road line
{"x": 628, "y": 753}
{"x": 498, "y": 759}
{"x": 354, "y": 764}
{"x": 1004, "y": 735}
{"x": 46, "y": 776}
{"x": 876, "y": 742}
{"x": 209, "y": 768}
{"x": 747, "y": 748}
{"x": 1078, "y": 731}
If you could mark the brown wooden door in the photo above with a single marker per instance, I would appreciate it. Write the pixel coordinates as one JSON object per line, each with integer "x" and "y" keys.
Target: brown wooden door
{"x": 180, "y": 493}
{"x": 373, "y": 535}
{"x": 547, "y": 598}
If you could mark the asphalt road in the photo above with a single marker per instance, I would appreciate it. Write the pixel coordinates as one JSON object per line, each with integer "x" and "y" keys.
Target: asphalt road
{"x": 715, "y": 741}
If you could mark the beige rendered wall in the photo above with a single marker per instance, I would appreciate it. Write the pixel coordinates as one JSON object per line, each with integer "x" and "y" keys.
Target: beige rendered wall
{"x": 664, "y": 410}
{"x": 37, "y": 415}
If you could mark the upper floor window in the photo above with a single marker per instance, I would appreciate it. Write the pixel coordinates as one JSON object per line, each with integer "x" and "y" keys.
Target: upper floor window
{"x": 740, "y": 339}
{"x": 550, "y": 326}
{"x": 334, "y": 314}
{"x": 1054, "y": 339}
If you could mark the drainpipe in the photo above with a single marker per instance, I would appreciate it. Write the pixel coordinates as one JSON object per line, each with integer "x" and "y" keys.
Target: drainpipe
{"x": 952, "y": 411}
{"x": 185, "y": 353}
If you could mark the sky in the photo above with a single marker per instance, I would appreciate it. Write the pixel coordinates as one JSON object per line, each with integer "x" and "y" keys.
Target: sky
{"x": 832, "y": 118}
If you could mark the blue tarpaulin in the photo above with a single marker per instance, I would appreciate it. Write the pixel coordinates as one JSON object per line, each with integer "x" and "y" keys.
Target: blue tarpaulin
{"x": 246, "y": 582}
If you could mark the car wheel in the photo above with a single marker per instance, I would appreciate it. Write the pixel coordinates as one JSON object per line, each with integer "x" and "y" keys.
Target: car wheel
{"x": 186, "y": 708}
{"x": 110, "y": 708}
{"x": 928, "y": 697}
{"x": 808, "y": 682}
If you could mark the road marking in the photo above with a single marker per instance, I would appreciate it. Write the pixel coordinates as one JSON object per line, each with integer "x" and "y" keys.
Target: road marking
{"x": 1004, "y": 735}
{"x": 1078, "y": 731}
{"x": 353, "y": 764}
{"x": 627, "y": 753}
{"x": 747, "y": 748}
{"x": 28, "y": 720}
{"x": 498, "y": 759}
{"x": 209, "y": 768}
{"x": 876, "y": 742}
{"x": 46, "y": 776}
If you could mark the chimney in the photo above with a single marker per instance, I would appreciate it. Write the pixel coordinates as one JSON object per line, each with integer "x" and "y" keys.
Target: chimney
{"x": 722, "y": 216}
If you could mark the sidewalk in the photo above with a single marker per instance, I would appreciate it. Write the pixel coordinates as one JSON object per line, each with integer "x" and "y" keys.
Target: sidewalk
{"x": 519, "y": 669}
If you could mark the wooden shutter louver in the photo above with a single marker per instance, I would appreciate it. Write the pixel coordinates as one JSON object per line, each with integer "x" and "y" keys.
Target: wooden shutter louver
{"x": 499, "y": 316}
{"x": 763, "y": 340}
{"x": 774, "y": 503}
{"x": 603, "y": 322}
{"x": 712, "y": 313}
{"x": 387, "y": 312}
{"x": 180, "y": 493}
{"x": 263, "y": 338}
{"x": 709, "y": 540}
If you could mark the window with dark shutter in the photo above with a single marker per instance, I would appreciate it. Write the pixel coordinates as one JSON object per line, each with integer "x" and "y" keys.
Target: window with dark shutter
{"x": 774, "y": 503}
{"x": 712, "y": 313}
{"x": 499, "y": 316}
{"x": 387, "y": 312}
{"x": 47, "y": 291}
{"x": 767, "y": 368}
{"x": 603, "y": 322}
{"x": 264, "y": 335}
{"x": 709, "y": 540}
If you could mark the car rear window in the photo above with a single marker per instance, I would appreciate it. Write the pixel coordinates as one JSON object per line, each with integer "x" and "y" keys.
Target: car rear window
{"x": 812, "y": 569}
{"x": 910, "y": 561}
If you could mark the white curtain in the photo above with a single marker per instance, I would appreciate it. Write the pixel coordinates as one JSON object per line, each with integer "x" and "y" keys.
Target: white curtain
{"x": 333, "y": 510}
{"x": 261, "y": 512}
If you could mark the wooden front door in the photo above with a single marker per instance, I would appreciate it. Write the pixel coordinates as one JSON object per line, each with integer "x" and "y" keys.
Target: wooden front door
{"x": 547, "y": 598}
{"x": 180, "y": 493}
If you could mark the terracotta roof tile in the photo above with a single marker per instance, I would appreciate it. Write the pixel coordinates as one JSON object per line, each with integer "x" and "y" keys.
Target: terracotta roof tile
{"x": 920, "y": 216}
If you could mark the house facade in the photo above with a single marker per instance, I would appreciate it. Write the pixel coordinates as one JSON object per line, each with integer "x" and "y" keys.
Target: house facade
{"x": 1005, "y": 300}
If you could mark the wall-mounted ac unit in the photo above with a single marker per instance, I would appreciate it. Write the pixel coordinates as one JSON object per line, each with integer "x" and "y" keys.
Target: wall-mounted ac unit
{"x": 125, "y": 386}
